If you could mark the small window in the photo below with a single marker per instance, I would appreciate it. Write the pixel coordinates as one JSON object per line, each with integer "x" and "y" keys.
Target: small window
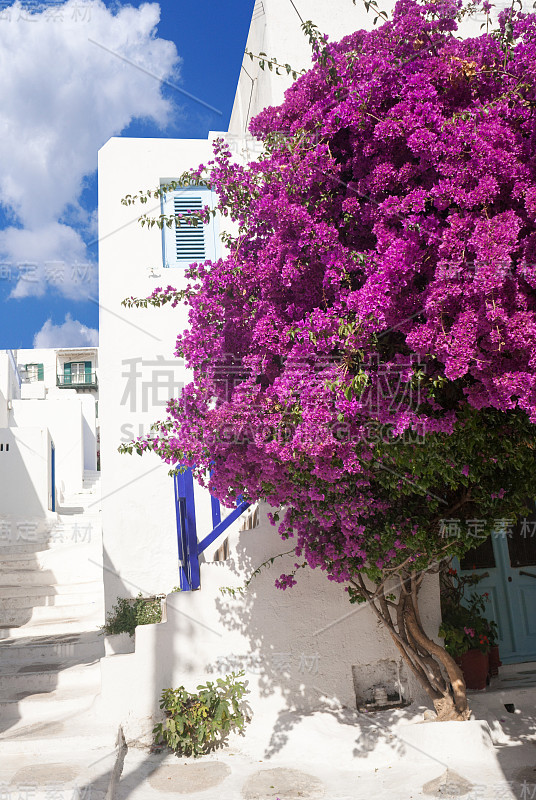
{"x": 35, "y": 372}
{"x": 185, "y": 244}
{"x": 480, "y": 557}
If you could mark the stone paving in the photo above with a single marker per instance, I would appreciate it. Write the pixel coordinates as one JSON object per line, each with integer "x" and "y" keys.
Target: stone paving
{"x": 492, "y": 757}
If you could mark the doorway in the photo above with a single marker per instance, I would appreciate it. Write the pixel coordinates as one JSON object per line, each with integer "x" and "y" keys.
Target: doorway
{"x": 508, "y": 560}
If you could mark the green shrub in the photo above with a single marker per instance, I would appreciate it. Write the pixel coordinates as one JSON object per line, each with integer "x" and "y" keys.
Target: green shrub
{"x": 197, "y": 723}
{"x": 128, "y": 613}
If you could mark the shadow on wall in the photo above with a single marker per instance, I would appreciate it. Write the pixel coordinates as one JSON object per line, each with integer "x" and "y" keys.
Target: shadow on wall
{"x": 23, "y": 465}
{"x": 114, "y": 586}
{"x": 305, "y": 643}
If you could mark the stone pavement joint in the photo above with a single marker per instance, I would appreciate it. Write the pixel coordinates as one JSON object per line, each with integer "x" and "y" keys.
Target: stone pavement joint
{"x": 279, "y": 782}
{"x": 186, "y": 778}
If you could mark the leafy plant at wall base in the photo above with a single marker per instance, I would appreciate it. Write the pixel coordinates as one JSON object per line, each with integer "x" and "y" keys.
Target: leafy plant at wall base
{"x": 197, "y": 722}
{"x": 128, "y": 613}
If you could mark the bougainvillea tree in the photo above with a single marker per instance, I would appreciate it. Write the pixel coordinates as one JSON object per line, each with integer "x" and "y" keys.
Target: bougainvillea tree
{"x": 363, "y": 357}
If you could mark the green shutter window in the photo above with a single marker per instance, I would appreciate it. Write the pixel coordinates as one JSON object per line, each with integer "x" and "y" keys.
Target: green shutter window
{"x": 67, "y": 374}
{"x": 35, "y": 372}
{"x": 87, "y": 365}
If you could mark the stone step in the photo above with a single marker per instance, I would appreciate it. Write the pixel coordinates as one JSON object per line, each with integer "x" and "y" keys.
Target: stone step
{"x": 88, "y": 505}
{"x": 46, "y": 615}
{"x": 80, "y": 647}
{"x": 73, "y": 532}
{"x": 25, "y": 548}
{"x": 74, "y": 551}
{"x": 64, "y": 741}
{"x": 61, "y": 625}
{"x": 79, "y": 498}
{"x": 76, "y": 512}
{"x": 12, "y": 597}
{"x": 31, "y": 706}
{"x": 7, "y": 589}
{"x": 42, "y": 678}
{"x": 34, "y": 577}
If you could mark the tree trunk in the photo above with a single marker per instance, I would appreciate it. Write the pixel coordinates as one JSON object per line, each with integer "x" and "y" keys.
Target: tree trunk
{"x": 432, "y": 666}
{"x": 453, "y": 704}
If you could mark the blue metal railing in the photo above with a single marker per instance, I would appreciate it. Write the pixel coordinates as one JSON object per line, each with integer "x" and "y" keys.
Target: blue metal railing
{"x": 189, "y": 547}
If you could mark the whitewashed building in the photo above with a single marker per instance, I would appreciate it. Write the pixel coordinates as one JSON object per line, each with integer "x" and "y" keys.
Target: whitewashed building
{"x": 51, "y": 592}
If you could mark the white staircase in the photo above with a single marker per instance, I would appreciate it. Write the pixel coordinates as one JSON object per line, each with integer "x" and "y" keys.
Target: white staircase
{"x": 51, "y": 608}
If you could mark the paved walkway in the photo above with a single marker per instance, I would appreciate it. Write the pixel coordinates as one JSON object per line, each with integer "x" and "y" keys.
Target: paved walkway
{"x": 320, "y": 756}
{"x": 339, "y": 756}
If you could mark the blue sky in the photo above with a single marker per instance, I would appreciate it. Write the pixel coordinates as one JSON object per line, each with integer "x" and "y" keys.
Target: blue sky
{"x": 70, "y": 80}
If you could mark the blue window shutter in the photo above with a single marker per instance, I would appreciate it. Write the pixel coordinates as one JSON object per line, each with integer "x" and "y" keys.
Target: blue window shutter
{"x": 187, "y": 531}
{"x": 67, "y": 374}
{"x": 186, "y": 244}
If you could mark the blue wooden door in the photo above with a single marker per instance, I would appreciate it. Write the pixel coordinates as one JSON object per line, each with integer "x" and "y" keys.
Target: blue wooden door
{"x": 508, "y": 559}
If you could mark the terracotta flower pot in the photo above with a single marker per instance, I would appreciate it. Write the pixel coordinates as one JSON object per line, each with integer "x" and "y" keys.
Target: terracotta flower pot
{"x": 494, "y": 660}
{"x": 475, "y": 668}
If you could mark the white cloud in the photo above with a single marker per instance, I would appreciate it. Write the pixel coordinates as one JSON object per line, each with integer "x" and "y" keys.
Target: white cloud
{"x": 50, "y": 255}
{"x": 61, "y": 98}
{"x": 71, "y": 333}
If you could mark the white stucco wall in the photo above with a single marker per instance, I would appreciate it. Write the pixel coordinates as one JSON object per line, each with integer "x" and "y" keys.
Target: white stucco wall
{"x": 297, "y": 647}
{"x": 25, "y": 471}
{"x": 4, "y": 388}
{"x": 138, "y": 372}
{"x": 63, "y": 417}
{"x": 89, "y": 431}
{"x": 9, "y": 384}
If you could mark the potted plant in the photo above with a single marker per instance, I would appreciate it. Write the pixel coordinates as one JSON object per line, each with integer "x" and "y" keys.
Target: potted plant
{"x": 485, "y": 629}
{"x": 492, "y": 633}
